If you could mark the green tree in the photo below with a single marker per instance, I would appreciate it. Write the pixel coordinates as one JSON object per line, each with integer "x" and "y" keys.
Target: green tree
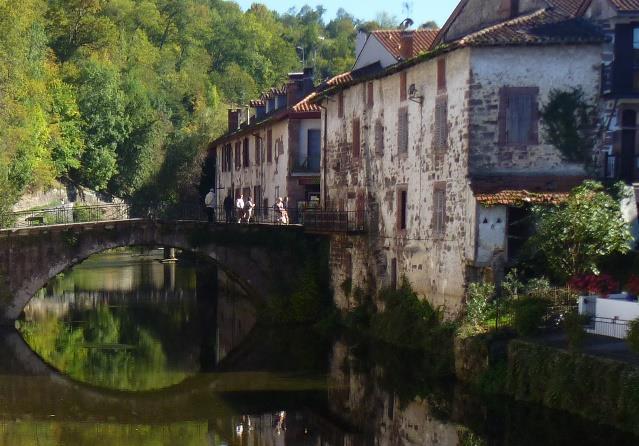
{"x": 575, "y": 236}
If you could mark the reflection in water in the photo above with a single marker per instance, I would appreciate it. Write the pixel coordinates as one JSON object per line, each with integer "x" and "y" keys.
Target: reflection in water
{"x": 184, "y": 335}
{"x": 129, "y": 322}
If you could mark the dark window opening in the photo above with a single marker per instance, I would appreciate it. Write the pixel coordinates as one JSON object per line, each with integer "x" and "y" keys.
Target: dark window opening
{"x": 356, "y": 138}
{"x": 379, "y": 137}
{"x": 314, "y": 150}
{"x": 402, "y": 209}
{"x": 269, "y": 146}
{"x": 402, "y": 130}
{"x": 370, "y": 99}
{"x": 441, "y": 74}
{"x": 245, "y": 152}
{"x": 340, "y": 105}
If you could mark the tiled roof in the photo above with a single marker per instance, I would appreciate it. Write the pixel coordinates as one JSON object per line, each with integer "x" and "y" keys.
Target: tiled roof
{"x": 520, "y": 197}
{"x": 571, "y": 7}
{"x": 307, "y": 104}
{"x": 518, "y": 190}
{"x": 540, "y": 27}
{"x": 257, "y": 103}
{"x": 339, "y": 79}
{"x": 626, "y": 5}
{"x": 391, "y": 39}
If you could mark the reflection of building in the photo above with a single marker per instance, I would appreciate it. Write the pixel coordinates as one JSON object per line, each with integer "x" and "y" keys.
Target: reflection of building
{"x": 274, "y": 150}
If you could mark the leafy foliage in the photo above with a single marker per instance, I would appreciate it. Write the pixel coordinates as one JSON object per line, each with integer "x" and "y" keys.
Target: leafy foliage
{"x": 574, "y": 237}
{"x": 570, "y": 123}
{"x": 479, "y": 305}
{"x": 528, "y": 314}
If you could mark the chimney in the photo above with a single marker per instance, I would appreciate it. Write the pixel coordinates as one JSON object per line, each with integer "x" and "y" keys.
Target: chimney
{"x": 360, "y": 40}
{"x": 407, "y": 44}
{"x": 308, "y": 81}
{"x": 234, "y": 119}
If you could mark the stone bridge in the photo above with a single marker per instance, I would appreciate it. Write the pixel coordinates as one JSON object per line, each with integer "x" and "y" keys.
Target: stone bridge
{"x": 262, "y": 258}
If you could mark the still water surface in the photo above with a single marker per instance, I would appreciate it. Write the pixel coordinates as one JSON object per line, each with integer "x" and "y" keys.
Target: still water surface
{"x": 125, "y": 350}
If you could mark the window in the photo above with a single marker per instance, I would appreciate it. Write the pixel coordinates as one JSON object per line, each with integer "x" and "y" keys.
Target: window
{"x": 439, "y": 210}
{"x": 245, "y": 152}
{"x": 238, "y": 156}
{"x": 277, "y": 192}
{"x": 229, "y": 157}
{"x": 441, "y": 123}
{"x": 518, "y": 115}
{"x": 403, "y": 94}
{"x": 402, "y": 130}
{"x": 269, "y": 146}
{"x": 340, "y": 104}
{"x": 265, "y": 207}
{"x": 402, "y": 208}
{"x": 356, "y": 138}
{"x": 635, "y": 58}
{"x": 379, "y": 137}
{"x": 370, "y": 99}
{"x": 441, "y": 74}
{"x": 258, "y": 150}
{"x": 314, "y": 151}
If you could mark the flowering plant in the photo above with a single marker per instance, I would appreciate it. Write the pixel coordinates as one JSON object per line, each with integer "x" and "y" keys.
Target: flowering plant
{"x": 632, "y": 286}
{"x": 602, "y": 284}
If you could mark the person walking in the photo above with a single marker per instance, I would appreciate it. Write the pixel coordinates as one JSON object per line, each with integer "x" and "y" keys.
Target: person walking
{"x": 209, "y": 202}
{"x": 248, "y": 209}
{"x": 228, "y": 208}
{"x": 239, "y": 208}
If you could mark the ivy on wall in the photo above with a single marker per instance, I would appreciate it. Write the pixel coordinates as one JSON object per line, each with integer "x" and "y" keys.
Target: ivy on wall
{"x": 569, "y": 121}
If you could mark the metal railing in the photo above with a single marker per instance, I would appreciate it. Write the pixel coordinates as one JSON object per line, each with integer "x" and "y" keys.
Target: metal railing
{"x": 314, "y": 220}
{"x": 614, "y": 328}
{"x": 65, "y": 215}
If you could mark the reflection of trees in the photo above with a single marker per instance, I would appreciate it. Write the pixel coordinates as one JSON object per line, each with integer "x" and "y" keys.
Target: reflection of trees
{"x": 110, "y": 349}
{"x": 103, "y": 434}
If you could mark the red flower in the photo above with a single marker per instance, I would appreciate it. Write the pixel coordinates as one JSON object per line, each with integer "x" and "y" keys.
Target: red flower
{"x": 633, "y": 285}
{"x": 602, "y": 284}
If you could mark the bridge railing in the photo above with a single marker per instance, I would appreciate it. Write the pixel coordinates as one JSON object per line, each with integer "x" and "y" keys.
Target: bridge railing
{"x": 65, "y": 215}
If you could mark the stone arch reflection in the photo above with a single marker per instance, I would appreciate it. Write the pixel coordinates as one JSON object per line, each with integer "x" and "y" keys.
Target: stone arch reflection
{"x": 126, "y": 320}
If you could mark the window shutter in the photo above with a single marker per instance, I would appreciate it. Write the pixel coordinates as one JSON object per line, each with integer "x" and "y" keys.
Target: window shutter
{"x": 370, "y": 101}
{"x": 402, "y": 130}
{"x": 441, "y": 74}
{"x": 379, "y": 137}
{"x": 340, "y": 104}
{"x": 269, "y": 146}
{"x": 402, "y": 86}
{"x": 503, "y": 113}
{"x": 441, "y": 123}
{"x": 356, "y": 138}
{"x": 623, "y": 58}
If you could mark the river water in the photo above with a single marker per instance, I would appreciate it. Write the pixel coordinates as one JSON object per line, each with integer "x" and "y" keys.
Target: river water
{"x": 126, "y": 350}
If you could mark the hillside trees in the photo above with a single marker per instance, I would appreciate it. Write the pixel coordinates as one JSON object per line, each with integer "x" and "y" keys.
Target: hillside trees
{"x": 122, "y": 95}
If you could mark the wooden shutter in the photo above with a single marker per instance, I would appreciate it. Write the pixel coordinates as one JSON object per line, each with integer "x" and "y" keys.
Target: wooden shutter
{"x": 441, "y": 122}
{"x": 402, "y": 86}
{"x": 441, "y": 74}
{"x": 340, "y": 104}
{"x": 402, "y": 130}
{"x": 269, "y": 145}
{"x": 356, "y": 138}
{"x": 379, "y": 137}
{"x": 439, "y": 209}
{"x": 370, "y": 99}
{"x": 623, "y": 58}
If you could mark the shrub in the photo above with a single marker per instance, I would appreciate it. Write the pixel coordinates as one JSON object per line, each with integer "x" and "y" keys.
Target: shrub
{"x": 512, "y": 285}
{"x": 633, "y": 285}
{"x": 602, "y": 284}
{"x": 479, "y": 305}
{"x": 576, "y": 236}
{"x": 633, "y": 335}
{"x": 528, "y": 314}
{"x": 575, "y": 331}
{"x": 537, "y": 287}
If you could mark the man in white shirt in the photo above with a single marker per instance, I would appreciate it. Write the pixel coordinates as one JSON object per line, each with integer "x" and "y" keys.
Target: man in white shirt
{"x": 209, "y": 202}
{"x": 239, "y": 208}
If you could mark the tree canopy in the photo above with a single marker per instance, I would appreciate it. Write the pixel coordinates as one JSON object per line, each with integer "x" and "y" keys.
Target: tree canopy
{"x": 123, "y": 95}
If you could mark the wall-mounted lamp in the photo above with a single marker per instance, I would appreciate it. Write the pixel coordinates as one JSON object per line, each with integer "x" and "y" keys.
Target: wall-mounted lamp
{"x": 413, "y": 96}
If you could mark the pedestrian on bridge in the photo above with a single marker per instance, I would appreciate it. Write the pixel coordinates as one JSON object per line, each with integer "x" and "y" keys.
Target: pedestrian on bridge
{"x": 209, "y": 202}
{"x": 239, "y": 208}
{"x": 248, "y": 209}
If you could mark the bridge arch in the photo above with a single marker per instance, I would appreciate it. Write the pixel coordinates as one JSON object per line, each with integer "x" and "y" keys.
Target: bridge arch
{"x": 260, "y": 258}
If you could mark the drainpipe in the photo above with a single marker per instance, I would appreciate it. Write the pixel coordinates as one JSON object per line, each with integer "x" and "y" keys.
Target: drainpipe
{"x": 325, "y": 192}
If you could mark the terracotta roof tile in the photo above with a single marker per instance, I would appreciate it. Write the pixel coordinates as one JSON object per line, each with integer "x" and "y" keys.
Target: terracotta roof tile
{"x": 518, "y": 190}
{"x": 257, "y": 103}
{"x": 571, "y": 7}
{"x": 626, "y": 5}
{"x": 540, "y": 27}
{"x": 306, "y": 105}
{"x": 392, "y": 41}
{"x": 339, "y": 79}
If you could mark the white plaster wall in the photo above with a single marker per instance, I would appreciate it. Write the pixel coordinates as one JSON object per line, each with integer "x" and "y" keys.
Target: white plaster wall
{"x": 548, "y": 67}
{"x": 435, "y": 266}
{"x": 268, "y": 175}
{"x": 372, "y": 52}
{"x": 491, "y": 238}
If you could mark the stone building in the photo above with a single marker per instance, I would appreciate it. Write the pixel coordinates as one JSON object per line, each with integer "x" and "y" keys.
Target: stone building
{"x": 272, "y": 149}
{"x": 442, "y": 152}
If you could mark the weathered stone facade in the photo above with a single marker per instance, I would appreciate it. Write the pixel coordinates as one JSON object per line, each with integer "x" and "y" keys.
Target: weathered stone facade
{"x": 435, "y": 245}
